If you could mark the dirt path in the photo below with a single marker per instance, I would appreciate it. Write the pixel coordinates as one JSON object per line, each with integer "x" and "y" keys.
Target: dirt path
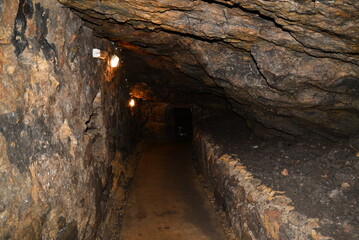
{"x": 167, "y": 201}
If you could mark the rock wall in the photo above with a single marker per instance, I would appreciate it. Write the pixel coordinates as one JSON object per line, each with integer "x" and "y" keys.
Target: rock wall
{"x": 156, "y": 124}
{"x": 65, "y": 126}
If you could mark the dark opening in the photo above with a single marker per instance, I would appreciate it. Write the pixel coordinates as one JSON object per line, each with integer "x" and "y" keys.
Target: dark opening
{"x": 182, "y": 122}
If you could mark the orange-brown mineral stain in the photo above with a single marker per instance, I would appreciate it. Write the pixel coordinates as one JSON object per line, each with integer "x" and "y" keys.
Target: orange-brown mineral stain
{"x": 36, "y": 187}
{"x": 1, "y": 62}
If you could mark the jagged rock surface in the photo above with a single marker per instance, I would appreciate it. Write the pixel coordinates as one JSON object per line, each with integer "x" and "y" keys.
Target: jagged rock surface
{"x": 288, "y": 66}
{"x": 65, "y": 130}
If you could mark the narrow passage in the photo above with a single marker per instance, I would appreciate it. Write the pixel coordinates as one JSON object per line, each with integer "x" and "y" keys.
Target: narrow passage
{"x": 166, "y": 201}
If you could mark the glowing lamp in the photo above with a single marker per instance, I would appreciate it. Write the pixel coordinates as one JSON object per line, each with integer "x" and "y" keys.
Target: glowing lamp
{"x": 114, "y": 61}
{"x": 132, "y": 103}
{"x": 97, "y": 53}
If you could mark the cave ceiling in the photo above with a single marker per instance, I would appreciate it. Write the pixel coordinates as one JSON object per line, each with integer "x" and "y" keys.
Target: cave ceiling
{"x": 287, "y": 65}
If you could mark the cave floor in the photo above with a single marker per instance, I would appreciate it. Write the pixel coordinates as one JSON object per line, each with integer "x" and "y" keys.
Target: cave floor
{"x": 166, "y": 199}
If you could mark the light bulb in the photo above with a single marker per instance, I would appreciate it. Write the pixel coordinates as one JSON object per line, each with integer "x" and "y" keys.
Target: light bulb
{"x": 114, "y": 61}
{"x": 132, "y": 102}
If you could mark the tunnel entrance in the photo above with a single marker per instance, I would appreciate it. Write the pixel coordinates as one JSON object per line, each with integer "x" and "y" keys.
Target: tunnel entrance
{"x": 180, "y": 121}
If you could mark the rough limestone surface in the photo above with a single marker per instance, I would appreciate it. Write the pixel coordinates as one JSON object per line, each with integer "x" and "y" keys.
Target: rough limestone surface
{"x": 62, "y": 118}
{"x": 289, "y": 66}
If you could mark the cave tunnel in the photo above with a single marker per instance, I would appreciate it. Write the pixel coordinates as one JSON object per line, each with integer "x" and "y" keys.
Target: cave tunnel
{"x": 179, "y": 121}
{"x": 186, "y": 119}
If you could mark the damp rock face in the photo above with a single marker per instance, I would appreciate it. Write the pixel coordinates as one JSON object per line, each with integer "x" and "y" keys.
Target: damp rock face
{"x": 290, "y": 67}
{"x": 61, "y": 115}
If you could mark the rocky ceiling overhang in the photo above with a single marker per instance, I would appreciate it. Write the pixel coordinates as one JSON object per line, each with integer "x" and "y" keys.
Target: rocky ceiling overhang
{"x": 288, "y": 65}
